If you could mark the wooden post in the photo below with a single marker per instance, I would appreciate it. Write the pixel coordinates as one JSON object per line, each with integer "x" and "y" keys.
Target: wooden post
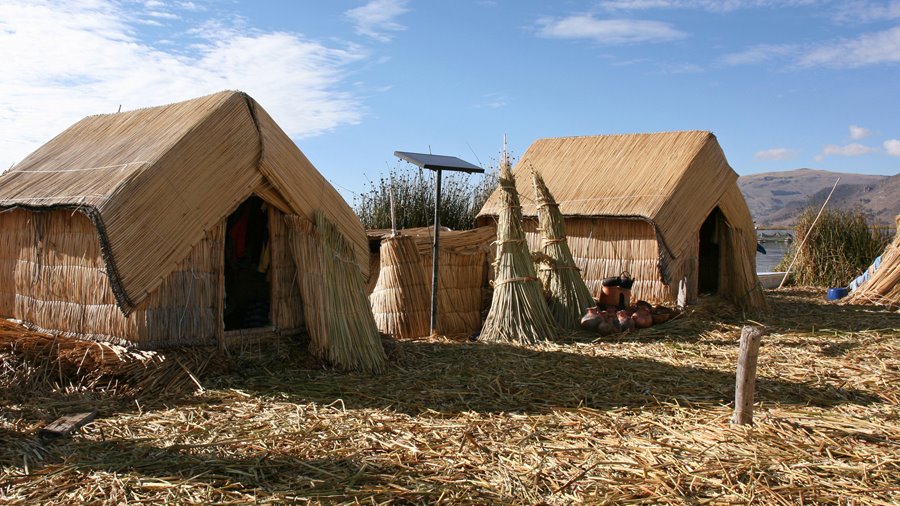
{"x": 745, "y": 387}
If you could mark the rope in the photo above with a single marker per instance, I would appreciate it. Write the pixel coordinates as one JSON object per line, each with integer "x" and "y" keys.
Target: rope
{"x": 495, "y": 284}
{"x": 560, "y": 268}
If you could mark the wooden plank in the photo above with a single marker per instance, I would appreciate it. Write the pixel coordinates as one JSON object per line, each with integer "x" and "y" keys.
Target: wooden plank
{"x": 67, "y": 424}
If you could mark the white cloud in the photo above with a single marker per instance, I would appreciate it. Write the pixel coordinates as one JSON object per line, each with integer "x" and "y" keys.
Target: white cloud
{"x": 892, "y": 147}
{"x": 608, "y": 31}
{"x": 707, "y": 5}
{"x": 64, "y": 61}
{"x": 859, "y": 133}
{"x": 867, "y": 11}
{"x": 867, "y": 49}
{"x": 377, "y": 18}
{"x": 758, "y": 54}
{"x": 775, "y": 154}
{"x": 853, "y": 149}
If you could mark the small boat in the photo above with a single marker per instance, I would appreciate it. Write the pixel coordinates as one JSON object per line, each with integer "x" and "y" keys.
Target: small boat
{"x": 770, "y": 279}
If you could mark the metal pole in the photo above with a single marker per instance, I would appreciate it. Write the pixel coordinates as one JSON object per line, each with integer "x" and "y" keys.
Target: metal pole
{"x": 434, "y": 252}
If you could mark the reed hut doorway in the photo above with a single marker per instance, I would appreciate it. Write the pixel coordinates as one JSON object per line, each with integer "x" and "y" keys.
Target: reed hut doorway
{"x": 709, "y": 258}
{"x": 248, "y": 290}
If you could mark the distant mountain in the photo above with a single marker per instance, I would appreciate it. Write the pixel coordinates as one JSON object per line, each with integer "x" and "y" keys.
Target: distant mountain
{"x": 776, "y": 198}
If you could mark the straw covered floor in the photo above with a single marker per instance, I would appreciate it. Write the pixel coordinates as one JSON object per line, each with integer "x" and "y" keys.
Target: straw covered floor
{"x": 642, "y": 418}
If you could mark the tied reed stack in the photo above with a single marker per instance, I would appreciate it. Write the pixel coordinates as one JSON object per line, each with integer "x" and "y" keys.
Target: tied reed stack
{"x": 339, "y": 320}
{"x": 463, "y": 270}
{"x": 400, "y": 299}
{"x": 569, "y": 295}
{"x": 519, "y": 313}
{"x": 884, "y": 285}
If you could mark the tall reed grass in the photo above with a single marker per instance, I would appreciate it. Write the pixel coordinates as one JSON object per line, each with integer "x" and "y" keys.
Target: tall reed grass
{"x": 462, "y": 196}
{"x": 840, "y": 247}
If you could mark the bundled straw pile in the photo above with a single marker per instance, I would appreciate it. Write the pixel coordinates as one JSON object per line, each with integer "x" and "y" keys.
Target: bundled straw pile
{"x": 340, "y": 323}
{"x": 32, "y": 362}
{"x": 569, "y": 295}
{"x": 401, "y": 296}
{"x": 462, "y": 271}
{"x": 884, "y": 285}
{"x": 518, "y": 313}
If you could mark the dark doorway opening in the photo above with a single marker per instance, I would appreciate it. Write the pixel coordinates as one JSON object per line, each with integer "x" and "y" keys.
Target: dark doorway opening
{"x": 708, "y": 271}
{"x": 247, "y": 287}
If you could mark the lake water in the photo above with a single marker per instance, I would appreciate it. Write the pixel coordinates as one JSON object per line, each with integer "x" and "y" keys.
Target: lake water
{"x": 775, "y": 249}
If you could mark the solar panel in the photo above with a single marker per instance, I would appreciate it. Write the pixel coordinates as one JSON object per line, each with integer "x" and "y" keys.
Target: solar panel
{"x": 438, "y": 162}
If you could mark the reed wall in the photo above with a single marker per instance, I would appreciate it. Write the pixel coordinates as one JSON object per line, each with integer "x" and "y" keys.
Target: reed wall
{"x": 462, "y": 275}
{"x": 604, "y": 247}
{"x": 60, "y": 285}
{"x": 10, "y": 224}
{"x": 287, "y": 303}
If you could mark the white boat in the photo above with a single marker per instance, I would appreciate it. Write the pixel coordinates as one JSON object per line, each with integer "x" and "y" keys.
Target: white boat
{"x": 770, "y": 279}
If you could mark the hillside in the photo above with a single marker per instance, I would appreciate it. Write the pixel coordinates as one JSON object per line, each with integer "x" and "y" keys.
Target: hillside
{"x": 775, "y": 198}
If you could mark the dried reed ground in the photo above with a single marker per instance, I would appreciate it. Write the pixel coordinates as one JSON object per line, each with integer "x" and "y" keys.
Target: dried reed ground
{"x": 638, "y": 419}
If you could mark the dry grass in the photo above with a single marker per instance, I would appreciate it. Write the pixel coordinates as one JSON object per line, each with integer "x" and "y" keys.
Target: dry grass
{"x": 638, "y": 419}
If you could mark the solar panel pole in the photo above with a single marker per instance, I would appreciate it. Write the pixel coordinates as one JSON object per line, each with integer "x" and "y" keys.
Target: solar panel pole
{"x": 434, "y": 251}
{"x": 437, "y": 163}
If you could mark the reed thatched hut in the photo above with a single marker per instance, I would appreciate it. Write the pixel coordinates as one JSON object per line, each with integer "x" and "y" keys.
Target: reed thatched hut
{"x": 164, "y": 226}
{"x": 462, "y": 272}
{"x": 665, "y": 207}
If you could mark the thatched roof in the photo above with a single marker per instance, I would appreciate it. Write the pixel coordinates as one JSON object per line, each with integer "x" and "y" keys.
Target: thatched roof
{"x": 154, "y": 180}
{"x": 672, "y": 179}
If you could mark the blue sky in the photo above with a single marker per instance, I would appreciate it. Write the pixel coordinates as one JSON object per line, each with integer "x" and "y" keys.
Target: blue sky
{"x": 783, "y": 84}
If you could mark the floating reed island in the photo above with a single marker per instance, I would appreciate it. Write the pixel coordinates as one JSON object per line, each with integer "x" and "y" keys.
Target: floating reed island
{"x": 637, "y": 418}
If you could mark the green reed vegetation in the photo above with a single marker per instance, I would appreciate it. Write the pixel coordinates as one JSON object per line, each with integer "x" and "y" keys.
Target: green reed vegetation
{"x": 841, "y": 246}
{"x": 462, "y": 196}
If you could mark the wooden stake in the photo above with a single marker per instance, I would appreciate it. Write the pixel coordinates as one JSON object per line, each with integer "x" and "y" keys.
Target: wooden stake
{"x": 745, "y": 387}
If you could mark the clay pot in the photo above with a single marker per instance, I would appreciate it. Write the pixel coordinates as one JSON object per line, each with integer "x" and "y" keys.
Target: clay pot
{"x": 591, "y": 319}
{"x": 606, "y": 328}
{"x": 662, "y": 314}
{"x": 660, "y": 318}
{"x": 643, "y": 304}
{"x": 625, "y": 321}
{"x": 642, "y": 318}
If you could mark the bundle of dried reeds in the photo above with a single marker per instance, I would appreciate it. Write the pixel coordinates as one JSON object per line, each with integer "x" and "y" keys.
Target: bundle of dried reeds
{"x": 338, "y": 317}
{"x": 883, "y": 287}
{"x": 401, "y": 295}
{"x": 569, "y": 295}
{"x": 518, "y": 313}
{"x": 31, "y": 362}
